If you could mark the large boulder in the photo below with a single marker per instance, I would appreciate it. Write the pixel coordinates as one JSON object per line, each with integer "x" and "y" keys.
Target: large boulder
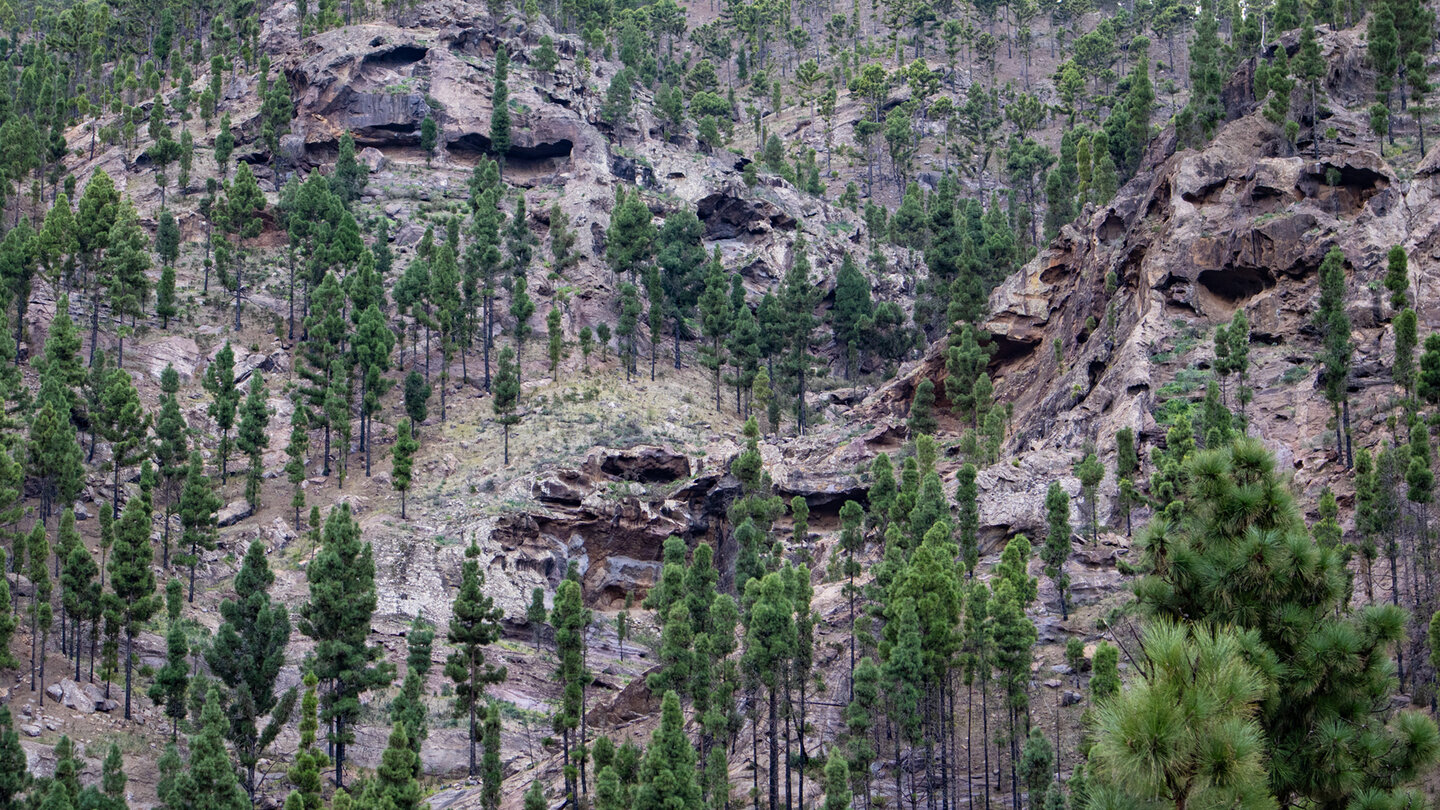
{"x": 233, "y": 513}
{"x": 644, "y": 463}
{"x": 84, "y": 698}
{"x": 729, "y": 213}
{"x": 173, "y": 350}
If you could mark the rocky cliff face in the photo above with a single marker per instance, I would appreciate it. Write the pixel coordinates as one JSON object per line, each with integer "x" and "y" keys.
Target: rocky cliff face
{"x": 1198, "y": 234}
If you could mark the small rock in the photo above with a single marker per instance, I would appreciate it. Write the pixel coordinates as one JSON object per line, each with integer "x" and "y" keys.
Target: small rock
{"x": 1052, "y": 684}
{"x": 1069, "y": 698}
{"x": 233, "y": 513}
{"x": 1062, "y": 669}
{"x": 81, "y": 513}
{"x": 30, "y": 730}
{"x": 54, "y": 691}
{"x": 52, "y": 725}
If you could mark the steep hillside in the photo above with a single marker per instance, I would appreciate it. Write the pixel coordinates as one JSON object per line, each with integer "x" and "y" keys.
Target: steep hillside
{"x": 1109, "y": 326}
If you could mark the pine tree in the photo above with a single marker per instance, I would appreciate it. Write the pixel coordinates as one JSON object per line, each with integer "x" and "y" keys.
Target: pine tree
{"x": 304, "y": 772}
{"x": 417, "y": 394}
{"x": 555, "y": 347}
{"x": 968, "y": 519}
{"x": 1105, "y": 672}
{"x": 397, "y": 778}
{"x": 1192, "y": 580}
{"x": 506, "y": 396}
{"x": 1309, "y": 66}
{"x": 208, "y": 779}
{"x": 246, "y": 655}
{"x": 677, "y": 641}
{"x": 570, "y": 618}
{"x": 252, "y": 437}
{"x": 1090, "y": 472}
{"x": 337, "y": 617}
{"x": 371, "y": 348}
{"x": 536, "y": 614}
{"x": 125, "y": 424}
{"x": 860, "y": 719}
{"x": 81, "y": 598}
{"x": 41, "y": 610}
{"x": 630, "y": 240}
{"x": 535, "y": 797}
{"x": 172, "y": 682}
{"x": 296, "y": 450}
{"x": 1014, "y": 641}
{"x": 500, "y": 108}
{"x": 1334, "y": 325}
{"x": 244, "y": 203}
{"x": 337, "y": 414}
{"x": 350, "y": 175}
{"x": 171, "y": 450}
{"x": 903, "y": 674}
{"x": 744, "y": 348}
{"x": 853, "y": 313}
{"x": 1037, "y": 765}
{"x": 127, "y": 260}
{"x": 655, "y": 314}
{"x": 224, "y": 400}
{"x": 474, "y": 624}
{"x": 165, "y": 305}
{"x": 1127, "y": 464}
{"x": 625, "y": 327}
{"x": 132, "y": 581}
{"x": 15, "y": 778}
{"x": 922, "y": 409}
{"x": 797, "y": 296}
{"x": 837, "y": 784}
{"x": 1057, "y": 541}
{"x": 769, "y": 643}
{"x": 492, "y": 774}
{"x": 667, "y": 774}
{"x": 54, "y": 457}
{"x": 1197, "y": 694}
{"x": 403, "y": 462}
{"x": 198, "y": 507}
{"x": 1397, "y": 278}
{"x": 408, "y": 708}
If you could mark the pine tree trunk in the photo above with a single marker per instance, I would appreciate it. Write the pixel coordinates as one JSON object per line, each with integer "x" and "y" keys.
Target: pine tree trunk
{"x": 774, "y": 766}
{"x": 472, "y": 720}
{"x": 969, "y": 743}
{"x": 129, "y": 656}
{"x": 1349, "y": 449}
{"x": 239, "y": 278}
{"x": 339, "y": 751}
{"x": 1014, "y": 761}
{"x": 789, "y": 715}
{"x": 985, "y": 731}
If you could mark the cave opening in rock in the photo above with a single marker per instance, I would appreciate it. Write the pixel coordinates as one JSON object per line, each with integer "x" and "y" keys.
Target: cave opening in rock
{"x": 539, "y": 158}
{"x": 1236, "y": 284}
{"x": 397, "y": 57}
{"x": 1094, "y": 370}
{"x": 391, "y": 134}
{"x": 1008, "y": 350}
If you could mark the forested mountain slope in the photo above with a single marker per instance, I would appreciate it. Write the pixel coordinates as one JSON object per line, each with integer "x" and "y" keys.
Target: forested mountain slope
{"x": 717, "y": 404}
